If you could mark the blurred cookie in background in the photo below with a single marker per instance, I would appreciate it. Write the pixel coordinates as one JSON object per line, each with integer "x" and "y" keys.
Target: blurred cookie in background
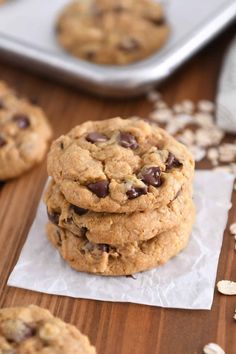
{"x": 32, "y": 329}
{"x": 112, "y": 31}
{"x": 24, "y": 134}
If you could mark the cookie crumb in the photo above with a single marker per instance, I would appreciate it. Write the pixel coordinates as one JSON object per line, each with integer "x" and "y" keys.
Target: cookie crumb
{"x": 227, "y": 152}
{"x": 226, "y": 287}
{"x": 153, "y": 96}
{"x": 187, "y": 137}
{"x": 212, "y": 348}
{"x": 223, "y": 169}
{"x": 199, "y": 153}
{"x": 194, "y": 126}
{"x": 213, "y": 156}
{"x": 232, "y": 229}
{"x": 188, "y": 106}
{"x": 162, "y": 116}
{"x": 206, "y": 106}
{"x": 160, "y": 104}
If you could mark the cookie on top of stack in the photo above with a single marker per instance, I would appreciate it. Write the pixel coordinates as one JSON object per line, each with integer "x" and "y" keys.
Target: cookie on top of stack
{"x": 120, "y": 198}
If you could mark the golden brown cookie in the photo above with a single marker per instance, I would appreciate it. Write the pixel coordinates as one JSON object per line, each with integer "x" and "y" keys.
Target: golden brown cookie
{"x": 112, "y": 31}
{"x": 129, "y": 258}
{"x": 31, "y": 330}
{"x": 115, "y": 228}
{"x": 119, "y": 166}
{"x": 24, "y": 134}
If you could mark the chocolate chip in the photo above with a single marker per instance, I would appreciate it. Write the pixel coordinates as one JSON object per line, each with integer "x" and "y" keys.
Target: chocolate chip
{"x": 96, "y": 11}
{"x": 127, "y": 140}
{"x": 172, "y": 162}
{"x": 89, "y": 246}
{"x": 135, "y": 192}
{"x": 68, "y": 221}
{"x": 54, "y": 217}
{"x": 58, "y": 28}
{"x": 59, "y": 243}
{"x": 100, "y": 188}
{"x": 16, "y": 331}
{"x": 34, "y": 101}
{"x": 118, "y": 9}
{"x": 131, "y": 276}
{"x": 1, "y": 104}
{"x": 96, "y": 137}
{"x": 78, "y": 210}
{"x": 129, "y": 45}
{"x": 157, "y": 21}
{"x": 90, "y": 55}
{"x": 151, "y": 176}
{"x": 22, "y": 121}
{"x": 103, "y": 247}
{"x": 177, "y": 195}
{"x": 2, "y": 141}
{"x": 83, "y": 231}
{"x": 28, "y": 332}
{"x": 61, "y": 145}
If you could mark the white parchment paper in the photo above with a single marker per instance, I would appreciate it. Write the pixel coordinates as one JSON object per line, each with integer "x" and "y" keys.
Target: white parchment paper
{"x": 187, "y": 281}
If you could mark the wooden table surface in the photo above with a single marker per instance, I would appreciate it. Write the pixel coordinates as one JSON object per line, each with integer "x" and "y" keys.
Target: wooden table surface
{"x": 116, "y": 328}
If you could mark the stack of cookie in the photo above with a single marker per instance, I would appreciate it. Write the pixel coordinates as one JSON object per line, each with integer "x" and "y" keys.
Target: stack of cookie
{"x": 120, "y": 198}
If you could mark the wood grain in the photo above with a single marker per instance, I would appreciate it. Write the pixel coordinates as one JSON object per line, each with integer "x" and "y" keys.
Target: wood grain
{"x": 116, "y": 328}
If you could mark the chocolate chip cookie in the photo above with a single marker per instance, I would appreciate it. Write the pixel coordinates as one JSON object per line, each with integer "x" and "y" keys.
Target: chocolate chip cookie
{"x": 24, "y": 134}
{"x": 119, "y": 166}
{"x": 129, "y": 258}
{"x": 31, "y": 330}
{"x": 112, "y": 31}
{"x": 115, "y": 228}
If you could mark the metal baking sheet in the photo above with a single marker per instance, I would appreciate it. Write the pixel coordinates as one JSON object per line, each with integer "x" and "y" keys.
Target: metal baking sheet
{"x": 27, "y": 38}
